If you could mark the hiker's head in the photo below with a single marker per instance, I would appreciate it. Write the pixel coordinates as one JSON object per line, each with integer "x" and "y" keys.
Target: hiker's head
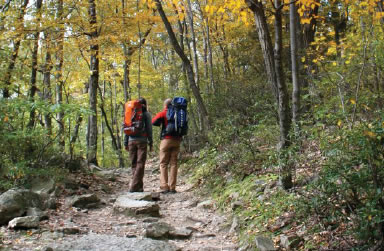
{"x": 144, "y": 103}
{"x": 167, "y": 102}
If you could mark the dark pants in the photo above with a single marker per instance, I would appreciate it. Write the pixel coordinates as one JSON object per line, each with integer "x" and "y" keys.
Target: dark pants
{"x": 138, "y": 155}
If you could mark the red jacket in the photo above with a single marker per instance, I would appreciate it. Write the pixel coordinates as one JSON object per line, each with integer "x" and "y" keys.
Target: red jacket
{"x": 161, "y": 120}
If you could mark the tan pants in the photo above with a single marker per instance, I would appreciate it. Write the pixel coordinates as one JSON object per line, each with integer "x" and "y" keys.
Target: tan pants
{"x": 169, "y": 149}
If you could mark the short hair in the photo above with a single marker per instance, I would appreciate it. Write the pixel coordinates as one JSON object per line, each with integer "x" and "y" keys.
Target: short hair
{"x": 143, "y": 101}
{"x": 167, "y": 102}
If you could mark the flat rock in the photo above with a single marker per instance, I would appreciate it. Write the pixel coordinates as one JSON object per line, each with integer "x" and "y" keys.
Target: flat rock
{"x": 180, "y": 233}
{"x": 98, "y": 242}
{"x": 24, "y": 222}
{"x": 147, "y": 196}
{"x": 129, "y": 207}
{"x": 83, "y": 201}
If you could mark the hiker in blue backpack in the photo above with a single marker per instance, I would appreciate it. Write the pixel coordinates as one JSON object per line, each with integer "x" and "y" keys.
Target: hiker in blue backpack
{"x": 174, "y": 125}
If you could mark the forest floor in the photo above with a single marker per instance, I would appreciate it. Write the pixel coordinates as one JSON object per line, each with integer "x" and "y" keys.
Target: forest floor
{"x": 182, "y": 209}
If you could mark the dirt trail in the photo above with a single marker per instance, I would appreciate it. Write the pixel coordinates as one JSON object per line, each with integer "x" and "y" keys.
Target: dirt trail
{"x": 183, "y": 209}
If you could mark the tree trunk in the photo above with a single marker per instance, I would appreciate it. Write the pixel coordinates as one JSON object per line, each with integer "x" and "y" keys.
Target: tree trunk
{"x": 273, "y": 63}
{"x": 115, "y": 142}
{"x": 295, "y": 67}
{"x": 127, "y": 63}
{"x": 210, "y": 58}
{"x": 187, "y": 65}
{"x": 118, "y": 141}
{"x": 15, "y": 51}
{"x": 284, "y": 118}
{"x": 306, "y": 37}
{"x": 75, "y": 134}
{"x": 129, "y": 50}
{"x": 59, "y": 72}
{"x": 208, "y": 73}
{"x": 47, "y": 82}
{"x": 193, "y": 36}
{"x": 93, "y": 84}
{"x": 265, "y": 42}
{"x": 205, "y": 55}
{"x": 35, "y": 51}
{"x": 102, "y": 128}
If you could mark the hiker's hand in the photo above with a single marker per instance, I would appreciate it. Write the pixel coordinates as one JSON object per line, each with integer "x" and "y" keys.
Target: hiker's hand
{"x": 127, "y": 148}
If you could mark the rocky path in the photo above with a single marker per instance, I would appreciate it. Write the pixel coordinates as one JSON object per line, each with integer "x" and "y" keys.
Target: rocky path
{"x": 182, "y": 221}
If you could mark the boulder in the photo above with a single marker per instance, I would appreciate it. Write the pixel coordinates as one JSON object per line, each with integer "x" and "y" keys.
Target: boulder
{"x": 24, "y": 222}
{"x": 14, "y": 203}
{"x": 70, "y": 184}
{"x": 109, "y": 175}
{"x": 43, "y": 186}
{"x": 162, "y": 230}
{"x": 290, "y": 242}
{"x": 158, "y": 230}
{"x": 129, "y": 207}
{"x": 264, "y": 244}
{"x": 34, "y": 211}
{"x": 51, "y": 203}
{"x": 83, "y": 201}
{"x": 205, "y": 204}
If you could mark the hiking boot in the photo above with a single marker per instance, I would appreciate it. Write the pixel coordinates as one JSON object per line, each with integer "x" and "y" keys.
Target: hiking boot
{"x": 164, "y": 191}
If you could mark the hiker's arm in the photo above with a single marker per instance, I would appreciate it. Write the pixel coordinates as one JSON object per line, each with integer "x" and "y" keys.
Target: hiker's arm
{"x": 158, "y": 119}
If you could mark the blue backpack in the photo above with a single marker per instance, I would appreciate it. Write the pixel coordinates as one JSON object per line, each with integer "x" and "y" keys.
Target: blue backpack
{"x": 177, "y": 117}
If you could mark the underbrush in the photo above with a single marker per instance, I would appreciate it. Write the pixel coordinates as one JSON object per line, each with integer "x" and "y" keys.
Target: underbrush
{"x": 337, "y": 202}
{"x": 347, "y": 198}
{"x": 26, "y": 152}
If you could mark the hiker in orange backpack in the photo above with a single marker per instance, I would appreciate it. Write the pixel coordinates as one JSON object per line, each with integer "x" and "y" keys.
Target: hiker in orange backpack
{"x": 171, "y": 135}
{"x": 138, "y": 135}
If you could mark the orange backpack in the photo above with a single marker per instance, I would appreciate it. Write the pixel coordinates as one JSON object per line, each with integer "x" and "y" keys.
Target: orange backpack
{"x": 133, "y": 118}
